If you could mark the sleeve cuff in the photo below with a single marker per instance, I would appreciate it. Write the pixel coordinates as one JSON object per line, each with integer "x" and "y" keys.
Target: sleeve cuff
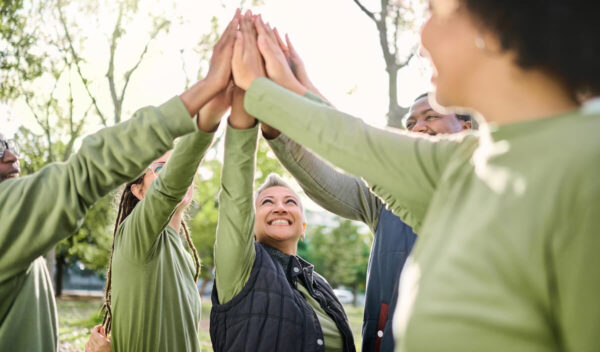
{"x": 177, "y": 119}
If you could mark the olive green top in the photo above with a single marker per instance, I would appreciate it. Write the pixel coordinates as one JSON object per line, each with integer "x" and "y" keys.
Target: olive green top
{"x": 155, "y": 302}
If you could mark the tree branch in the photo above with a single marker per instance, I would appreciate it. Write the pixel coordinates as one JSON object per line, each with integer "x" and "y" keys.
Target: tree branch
{"x": 396, "y": 30}
{"x": 110, "y": 75}
{"x": 76, "y": 59}
{"x": 139, "y": 61}
{"x": 365, "y": 10}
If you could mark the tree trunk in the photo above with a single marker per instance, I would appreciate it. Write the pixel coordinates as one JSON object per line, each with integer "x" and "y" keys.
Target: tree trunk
{"x": 395, "y": 112}
{"x": 51, "y": 261}
{"x": 60, "y": 265}
{"x": 354, "y": 294}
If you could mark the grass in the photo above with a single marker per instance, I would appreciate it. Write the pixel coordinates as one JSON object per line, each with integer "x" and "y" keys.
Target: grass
{"x": 77, "y": 316}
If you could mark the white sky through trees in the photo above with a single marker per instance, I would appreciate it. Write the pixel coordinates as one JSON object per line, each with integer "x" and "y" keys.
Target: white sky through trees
{"x": 339, "y": 45}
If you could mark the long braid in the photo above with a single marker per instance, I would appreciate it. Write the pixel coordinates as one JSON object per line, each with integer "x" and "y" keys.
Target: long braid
{"x": 194, "y": 251}
{"x": 126, "y": 204}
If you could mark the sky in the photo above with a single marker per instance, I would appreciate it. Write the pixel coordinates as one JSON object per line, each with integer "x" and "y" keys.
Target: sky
{"x": 338, "y": 43}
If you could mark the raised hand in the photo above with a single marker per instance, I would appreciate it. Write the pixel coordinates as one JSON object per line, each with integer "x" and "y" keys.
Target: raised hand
{"x": 247, "y": 63}
{"x": 219, "y": 72}
{"x": 211, "y": 113}
{"x": 239, "y": 118}
{"x": 296, "y": 64}
{"x": 276, "y": 62}
{"x": 218, "y": 76}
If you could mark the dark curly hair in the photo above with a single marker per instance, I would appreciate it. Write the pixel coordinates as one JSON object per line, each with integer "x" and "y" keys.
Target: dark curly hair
{"x": 558, "y": 36}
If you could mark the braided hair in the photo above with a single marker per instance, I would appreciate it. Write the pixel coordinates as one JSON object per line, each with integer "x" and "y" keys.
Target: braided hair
{"x": 127, "y": 203}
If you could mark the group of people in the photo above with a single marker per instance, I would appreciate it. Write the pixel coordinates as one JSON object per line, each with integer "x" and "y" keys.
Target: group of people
{"x": 506, "y": 216}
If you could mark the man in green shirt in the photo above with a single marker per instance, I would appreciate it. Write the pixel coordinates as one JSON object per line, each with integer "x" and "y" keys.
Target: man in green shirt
{"x": 38, "y": 210}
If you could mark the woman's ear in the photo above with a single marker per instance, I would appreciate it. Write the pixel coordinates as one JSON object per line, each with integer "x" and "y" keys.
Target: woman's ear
{"x": 137, "y": 191}
{"x": 303, "y": 234}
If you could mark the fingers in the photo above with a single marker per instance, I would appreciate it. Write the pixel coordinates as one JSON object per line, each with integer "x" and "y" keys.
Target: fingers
{"x": 247, "y": 27}
{"x": 292, "y": 50}
{"x": 282, "y": 45}
{"x": 270, "y": 32}
{"x": 228, "y": 35}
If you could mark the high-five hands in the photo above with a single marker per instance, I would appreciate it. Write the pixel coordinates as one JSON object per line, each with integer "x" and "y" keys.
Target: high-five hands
{"x": 276, "y": 63}
{"x": 247, "y": 63}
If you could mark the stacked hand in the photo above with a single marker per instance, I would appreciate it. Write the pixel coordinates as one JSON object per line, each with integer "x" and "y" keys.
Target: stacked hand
{"x": 248, "y": 49}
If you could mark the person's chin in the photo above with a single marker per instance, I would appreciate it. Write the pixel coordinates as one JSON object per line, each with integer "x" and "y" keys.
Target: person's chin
{"x": 280, "y": 235}
{"x": 10, "y": 176}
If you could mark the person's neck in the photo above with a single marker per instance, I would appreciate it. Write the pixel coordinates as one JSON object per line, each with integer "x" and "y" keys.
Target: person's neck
{"x": 287, "y": 247}
{"x": 520, "y": 96}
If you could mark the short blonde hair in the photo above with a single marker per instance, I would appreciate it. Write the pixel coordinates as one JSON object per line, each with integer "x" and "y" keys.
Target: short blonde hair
{"x": 274, "y": 180}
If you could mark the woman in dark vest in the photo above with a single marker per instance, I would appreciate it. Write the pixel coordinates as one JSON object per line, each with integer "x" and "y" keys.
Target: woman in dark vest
{"x": 266, "y": 298}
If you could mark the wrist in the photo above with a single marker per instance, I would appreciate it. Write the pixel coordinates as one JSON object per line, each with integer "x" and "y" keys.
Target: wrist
{"x": 215, "y": 83}
{"x": 209, "y": 124}
{"x": 295, "y": 87}
{"x": 241, "y": 123}
{"x": 198, "y": 95}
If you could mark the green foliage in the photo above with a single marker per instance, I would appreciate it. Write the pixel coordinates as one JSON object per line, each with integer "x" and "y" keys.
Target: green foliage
{"x": 92, "y": 242}
{"x": 17, "y": 60}
{"x": 340, "y": 253}
{"x": 205, "y": 214}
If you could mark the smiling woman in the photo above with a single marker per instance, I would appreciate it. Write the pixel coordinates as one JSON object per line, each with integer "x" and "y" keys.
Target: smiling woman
{"x": 265, "y": 297}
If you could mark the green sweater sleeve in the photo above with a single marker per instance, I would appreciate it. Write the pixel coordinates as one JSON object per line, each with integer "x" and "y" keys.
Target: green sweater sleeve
{"x": 339, "y": 193}
{"x": 152, "y": 214}
{"x": 402, "y": 168}
{"x": 41, "y": 209}
{"x": 234, "y": 244}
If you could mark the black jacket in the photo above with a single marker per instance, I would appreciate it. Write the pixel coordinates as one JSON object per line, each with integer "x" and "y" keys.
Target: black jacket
{"x": 270, "y": 314}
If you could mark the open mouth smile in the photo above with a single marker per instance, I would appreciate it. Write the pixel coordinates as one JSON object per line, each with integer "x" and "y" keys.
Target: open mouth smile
{"x": 279, "y": 222}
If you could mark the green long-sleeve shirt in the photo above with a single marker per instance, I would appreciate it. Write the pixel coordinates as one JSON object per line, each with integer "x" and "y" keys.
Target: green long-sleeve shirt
{"x": 234, "y": 244}
{"x": 155, "y": 302}
{"x": 342, "y": 194}
{"x": 38, "y": 210}
{"x": 507, "y": 258}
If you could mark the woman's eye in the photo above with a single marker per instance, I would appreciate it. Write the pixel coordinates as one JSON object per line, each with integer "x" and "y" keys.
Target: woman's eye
{"x": 266, "y": 201}
{"x": 158, "y": 169}
{"x": 291, "y": 201}
{"x": 431, "y": 117}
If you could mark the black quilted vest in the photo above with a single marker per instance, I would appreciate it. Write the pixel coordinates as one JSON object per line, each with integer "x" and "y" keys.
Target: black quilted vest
{"x": 270, "y": 314}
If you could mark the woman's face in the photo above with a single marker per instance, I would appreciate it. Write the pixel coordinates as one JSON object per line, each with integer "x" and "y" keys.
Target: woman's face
{"x": 449, "y": 37}
{"x": 151, "y": 173}
{"x": 279, "y": 218}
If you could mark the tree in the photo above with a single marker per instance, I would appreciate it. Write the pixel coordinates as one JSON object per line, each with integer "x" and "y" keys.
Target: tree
{"x": 17, "y": 60}
{"x": 340, "y": 252}
{"x": 394, "y": 17}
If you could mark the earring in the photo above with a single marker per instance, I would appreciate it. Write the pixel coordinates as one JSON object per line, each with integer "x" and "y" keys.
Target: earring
{"x": 480, "y": 42}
